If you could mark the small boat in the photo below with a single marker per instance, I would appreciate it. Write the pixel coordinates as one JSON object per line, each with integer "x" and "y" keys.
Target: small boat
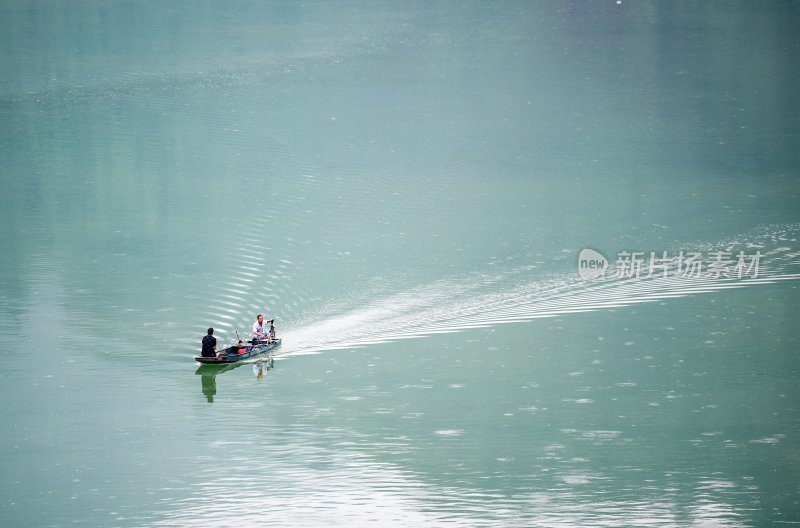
{"x": 237, "y": 352}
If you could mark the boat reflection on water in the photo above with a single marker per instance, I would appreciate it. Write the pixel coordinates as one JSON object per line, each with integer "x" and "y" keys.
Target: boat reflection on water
{"x": 208, "y": 381}
{"x": 262, "y": 367}
{"x": 208, "y": 374}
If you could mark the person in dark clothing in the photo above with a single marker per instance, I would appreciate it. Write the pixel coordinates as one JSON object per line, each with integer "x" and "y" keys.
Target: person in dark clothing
{"x": 209, "y": 344}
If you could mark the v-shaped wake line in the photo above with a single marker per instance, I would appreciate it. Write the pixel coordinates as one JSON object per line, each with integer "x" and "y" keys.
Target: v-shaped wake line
{"x": 461, "y": 304}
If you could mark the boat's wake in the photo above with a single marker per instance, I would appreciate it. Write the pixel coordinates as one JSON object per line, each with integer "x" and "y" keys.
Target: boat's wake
{"x": 482, "y": 301}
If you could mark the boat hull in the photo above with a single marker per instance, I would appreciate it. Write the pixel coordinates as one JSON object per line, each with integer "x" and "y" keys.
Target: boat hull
{"x": 237, "y": 353}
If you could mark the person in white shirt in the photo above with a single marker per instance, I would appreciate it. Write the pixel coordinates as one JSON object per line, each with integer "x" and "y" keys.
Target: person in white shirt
{"x": 260, "y": 330}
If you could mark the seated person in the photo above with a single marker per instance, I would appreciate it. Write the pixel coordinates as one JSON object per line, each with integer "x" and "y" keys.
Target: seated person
{"x": 209, "y": 344}
{"x": 260, "y": 330}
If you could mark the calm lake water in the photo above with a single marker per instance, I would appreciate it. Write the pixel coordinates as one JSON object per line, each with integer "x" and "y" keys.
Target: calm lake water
{"x": 406, "y": 188}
